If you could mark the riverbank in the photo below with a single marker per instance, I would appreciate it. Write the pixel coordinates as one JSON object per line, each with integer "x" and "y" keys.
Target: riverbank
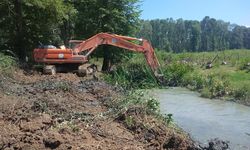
{"x": 228, "y": 77}
{"x": 67, "y": 112}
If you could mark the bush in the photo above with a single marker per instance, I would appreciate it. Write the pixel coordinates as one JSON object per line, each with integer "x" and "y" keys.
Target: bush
{"x": 205, "y": 92}
{"x": 6, "y": 62}
{"x": 194, "y": 80}
{"x": 135, "y": 99}
{"x": 218, "y": 86}
{"x": 132, "y": 74}
{"x": 175, "y": 72}
{"x": 242, "y": 93}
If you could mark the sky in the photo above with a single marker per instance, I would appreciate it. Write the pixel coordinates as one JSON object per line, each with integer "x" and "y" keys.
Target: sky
{"x": 233, "y": 11}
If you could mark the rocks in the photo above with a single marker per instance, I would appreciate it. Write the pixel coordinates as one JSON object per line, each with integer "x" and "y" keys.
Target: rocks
{"x": 216, "y": 144}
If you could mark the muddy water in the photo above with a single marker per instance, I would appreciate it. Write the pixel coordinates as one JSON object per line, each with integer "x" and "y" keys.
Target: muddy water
{"x": 205, "y": 118}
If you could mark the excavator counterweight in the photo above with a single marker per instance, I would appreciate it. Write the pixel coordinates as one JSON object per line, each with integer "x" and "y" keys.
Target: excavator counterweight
{"x": 78, "y": 55}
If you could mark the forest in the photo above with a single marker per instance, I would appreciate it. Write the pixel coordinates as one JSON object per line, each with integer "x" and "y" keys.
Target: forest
{"x": 26, "y": 24}
{"x": 181, "y": 35}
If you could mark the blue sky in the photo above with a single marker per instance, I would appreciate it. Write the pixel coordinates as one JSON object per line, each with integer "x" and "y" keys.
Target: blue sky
{"x": 233, "y": 11}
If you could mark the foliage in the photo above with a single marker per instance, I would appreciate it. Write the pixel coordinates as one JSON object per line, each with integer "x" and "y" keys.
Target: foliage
{"x": 6, "y": 63}
{"x": 63, "y": 86}
{"x": 136, "y": 98}
{"x": 129, "y": 121}
{"x": 242, "y": 93}
{"x": 135, "y": 73}
{"x": 28, "y": 22}
{"x": 194, "y": 80}
{"x": 188, "y": 70}
{"x": 119, "y": 17}
{"x": 140, "y": 100}
{"x": 217, "y": 86}
{"x": 168, "y": 118}
{"x": 181, "y": 35}
{"x": 175, "y": 72}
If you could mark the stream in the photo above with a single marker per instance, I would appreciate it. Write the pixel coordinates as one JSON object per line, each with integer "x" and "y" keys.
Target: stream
{"x": 206, "y": 119}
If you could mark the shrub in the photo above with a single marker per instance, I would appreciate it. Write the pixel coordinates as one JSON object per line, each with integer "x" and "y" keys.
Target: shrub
{"x": 194, "y": 80}
{"x": 6, "y": 62}
{"x": 175, "y": 72}
{"x": 242, "y": 93}
{"x": 132, "y": 74}
{"x": 205, "y": 92}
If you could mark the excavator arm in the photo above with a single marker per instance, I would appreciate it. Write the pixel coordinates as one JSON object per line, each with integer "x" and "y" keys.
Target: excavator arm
{"x": 125, "y": 42}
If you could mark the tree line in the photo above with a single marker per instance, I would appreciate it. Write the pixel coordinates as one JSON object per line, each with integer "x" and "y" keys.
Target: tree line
{"x": 25, "y": 24}
{"x": 194, "y": 36}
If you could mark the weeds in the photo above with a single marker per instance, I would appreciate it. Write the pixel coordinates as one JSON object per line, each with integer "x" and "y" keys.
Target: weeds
{"x": 67, "y": 125}
{"x": 242, "y": 93}
{"x": 174, "y": 73}
{"x": 137, "y": 98}
{"x": 168, "y": 118}
{"x": 129, "y": 121}
{"x": 6, "y": 63}
{"x": 135, "y": 73}
{"x": 187, "y": 69}
{"x": 63, "y": 86}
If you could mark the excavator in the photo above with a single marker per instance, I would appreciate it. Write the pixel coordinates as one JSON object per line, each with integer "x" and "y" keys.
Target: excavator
{"x": 57, "y": 59}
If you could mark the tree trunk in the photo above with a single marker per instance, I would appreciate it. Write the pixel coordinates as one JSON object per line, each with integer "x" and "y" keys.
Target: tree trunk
{"x": 19, "y": 46}
{"x": 107, "y": 58}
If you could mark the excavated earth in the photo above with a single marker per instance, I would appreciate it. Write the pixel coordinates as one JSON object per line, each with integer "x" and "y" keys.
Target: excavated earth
{"x": 67, "y": 112}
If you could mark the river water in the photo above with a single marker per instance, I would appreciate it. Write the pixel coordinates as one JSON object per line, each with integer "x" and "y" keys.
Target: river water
{"x": 206, "y": 119}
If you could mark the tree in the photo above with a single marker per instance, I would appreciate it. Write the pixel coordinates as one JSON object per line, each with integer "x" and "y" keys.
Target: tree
{"x": 146, "y": 30}
{"x": 119, "y": 17}
{"x": 188, "y": 35}
{"x": 237, "y": 36}
{"x": 30, "y": 22}
{"x": 246, "y": 39}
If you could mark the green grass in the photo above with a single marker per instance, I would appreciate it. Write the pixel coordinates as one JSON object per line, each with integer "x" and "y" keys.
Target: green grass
{"x": 132, "y": 73}
{"x": 230, "y": 80}
{"x": 189, "y": 70}
{"x": 239, "y": 78}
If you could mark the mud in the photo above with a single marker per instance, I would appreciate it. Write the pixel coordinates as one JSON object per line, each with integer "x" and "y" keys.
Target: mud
{"x": 68, "y": 112}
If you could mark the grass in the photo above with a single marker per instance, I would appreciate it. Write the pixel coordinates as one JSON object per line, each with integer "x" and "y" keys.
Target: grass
{"x": 132, "y": 73}
{"x": 139, "y": 102}
{"x": 6, "y": 63}
{"x": 239, "y": 78}
{"x": 230, "y": 81}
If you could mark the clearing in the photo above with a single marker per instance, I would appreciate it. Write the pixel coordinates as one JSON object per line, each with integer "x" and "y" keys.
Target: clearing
{"x": 68, "y": 112}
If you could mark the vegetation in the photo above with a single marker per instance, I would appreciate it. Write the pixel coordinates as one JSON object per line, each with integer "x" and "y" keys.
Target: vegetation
{"x": 28, "y": 23}
{"x": 138, "y": 100}
{"x": 6, "y": 63}
{"x": 230, "y": 81}
{"x": 25, "y": 24}
{"x": 133, "y": 73}
{"x": 194, "y": 36}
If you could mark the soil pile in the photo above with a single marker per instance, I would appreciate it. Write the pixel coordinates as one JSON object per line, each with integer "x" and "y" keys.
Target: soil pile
{"x": 68, "y": 112}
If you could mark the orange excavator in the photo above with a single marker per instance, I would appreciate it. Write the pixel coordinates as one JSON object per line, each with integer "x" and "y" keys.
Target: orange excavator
{"x": 56, "y": 59}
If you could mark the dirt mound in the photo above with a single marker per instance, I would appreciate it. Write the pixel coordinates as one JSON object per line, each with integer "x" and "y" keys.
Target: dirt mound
{"x": 67, "y": 112}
